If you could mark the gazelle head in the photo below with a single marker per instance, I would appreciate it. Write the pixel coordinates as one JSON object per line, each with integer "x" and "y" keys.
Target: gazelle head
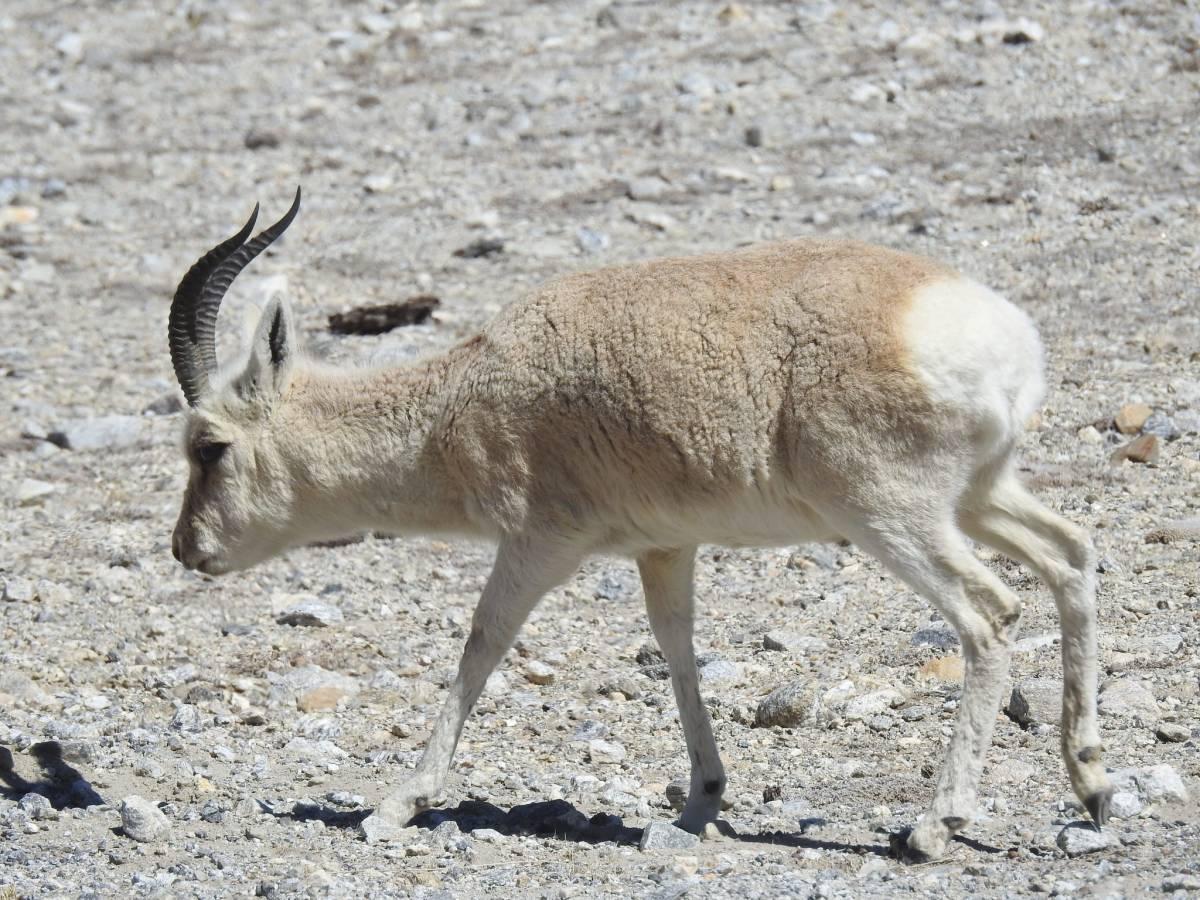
{"x": 239, "y": 505}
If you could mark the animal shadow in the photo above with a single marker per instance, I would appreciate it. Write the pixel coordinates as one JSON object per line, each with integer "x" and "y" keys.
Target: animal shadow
{"x": 63, "y": 785}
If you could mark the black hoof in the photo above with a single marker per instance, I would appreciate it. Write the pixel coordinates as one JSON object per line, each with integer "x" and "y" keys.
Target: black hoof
{"x": 898, "y": 848}
{"x": 1098, "y": 805}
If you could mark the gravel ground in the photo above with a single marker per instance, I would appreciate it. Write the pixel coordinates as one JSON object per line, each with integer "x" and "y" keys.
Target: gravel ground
{"x": 163, "y": 733}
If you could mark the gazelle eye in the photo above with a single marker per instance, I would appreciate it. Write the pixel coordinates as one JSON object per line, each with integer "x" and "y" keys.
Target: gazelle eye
{"x": 208, "y": 454}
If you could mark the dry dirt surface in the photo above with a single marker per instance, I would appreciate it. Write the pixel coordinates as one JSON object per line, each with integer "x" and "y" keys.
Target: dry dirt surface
{"x": 1055, "y": 157}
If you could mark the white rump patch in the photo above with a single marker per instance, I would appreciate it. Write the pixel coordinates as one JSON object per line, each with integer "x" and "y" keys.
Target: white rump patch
{"x": 978, "y": 354}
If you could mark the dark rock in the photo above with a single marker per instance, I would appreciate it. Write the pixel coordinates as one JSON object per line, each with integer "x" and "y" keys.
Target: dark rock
{"x": 384, "y": 317}
{"x": 480, "y": 248}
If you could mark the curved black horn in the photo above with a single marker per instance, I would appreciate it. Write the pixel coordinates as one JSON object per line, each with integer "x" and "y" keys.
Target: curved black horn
{"x": 193, "y": 322}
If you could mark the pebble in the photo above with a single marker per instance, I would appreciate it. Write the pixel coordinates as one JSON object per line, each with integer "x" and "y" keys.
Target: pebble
{"x": 539, "y": 673}
{"x": 938, "y": 637}
{"x": 589, "y": 730}
{"x": 310, "y": 614}
{"x": 1180, "y": 530}
{"x": 793, "y": 642}
{"x": 719, "y": 671}
{"x": 1126, "y": 804}
{"x": 664, "y": 836}
{"x": 103, "y": 433}
{"x": 590, "y": 240}
{"x": 1131, "y": 417}
{"x": 647, "y": 188}
{"x": 1180, "y": 882}
{"x": 1128, "y": 698}
{"x": 677, "y": 793}
{"x": 321, "y": 698}
{"x": 18, "y": 590}
{"x": 1142, "y": 449}
{"x": 868, "y": 706}
{"x": 788, "y": 706}
{"x": 142, "y": 821}
{"x": 1172, "y": 733}
{"x": 260, "y": 139}
{"x": 38, "y": 807}
{"x": 948, "y": 669}
{"x": 1161, "y": 426}
{"x": 605, "y": 752}
{"x": 31, "y": 491}
{"x": 1036, "y": 701}
{"x": 1079, "y": 838}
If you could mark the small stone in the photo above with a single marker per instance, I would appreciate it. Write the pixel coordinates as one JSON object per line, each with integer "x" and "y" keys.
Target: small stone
{"x": 780, "y": 183}
{"x": 605, "y": 752}
{"x": 663, "y": 836}
{"x": 733, "y": 12}
{"x": 142, "y": 820}
{"x": 1181, "y": 530}
{"x": 650, "y": 188}
{"x": 1126, "y": 804}
{"x": 70, "y": 45}
{"x": 866, "y": 706}
{"x": 697, "y": 84}
{"x": 38, "y": 807}
{"x": 310, "y": 614}
{"x": 378, "y": 184}
{"x": 589, "y": 730}
{"x": 1131, "y": 417}
{"x": 166, "y": 405}
{"x": 1180, "y": 882}
{"x": 590, "y": 240}
{"x": 1089, "y": 435}
{"x": 937, "y": 637}
{"x": 18, "y": 590}
{"x": 793, "y": 642}
{"x": 1079, "y": 838}
{"x": 1035, "y": 642}
{"x": 1162, "y": 784}
{"x": 788, "y": 706}
{"x": 1128, "y": 698}
{"x": 1143, "y": 449}
{"x": 1172, "y": 733}
{"x": 677, "y": 793}
{"x": 1036, "y": 701}
{"x": 103, "y": 433}
{"x": 754, "y": 136}
{"x": 260, "y": 139}
{"x": 948, "y": 669}
{"x": 480, "y": 248}
{"x": 720, "y": 670}
{"x": 320, "y": 698}
{"x": 539, "y": 673}
{"x": 187, "y": 718}
{"x": 1161, "y": 426}
{"x": 31, "y": 491}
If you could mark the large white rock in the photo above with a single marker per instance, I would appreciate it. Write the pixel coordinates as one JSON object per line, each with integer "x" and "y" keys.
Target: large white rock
{"x": 142, "y": 820}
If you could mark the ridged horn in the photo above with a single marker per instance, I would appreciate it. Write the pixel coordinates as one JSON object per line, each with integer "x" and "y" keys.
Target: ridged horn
{"x": 192, "y": 327}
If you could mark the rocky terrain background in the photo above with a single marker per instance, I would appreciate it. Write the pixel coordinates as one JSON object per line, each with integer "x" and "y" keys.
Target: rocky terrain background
{"x": 163, "y": 733}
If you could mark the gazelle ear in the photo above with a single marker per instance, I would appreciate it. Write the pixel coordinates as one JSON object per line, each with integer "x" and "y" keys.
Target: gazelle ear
{"x": 272, "y": 353}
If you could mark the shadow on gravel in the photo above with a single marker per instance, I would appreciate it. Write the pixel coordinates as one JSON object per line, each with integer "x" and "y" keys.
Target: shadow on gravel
{"x": 62, "y": 785}
{"x": 561, "y": 820}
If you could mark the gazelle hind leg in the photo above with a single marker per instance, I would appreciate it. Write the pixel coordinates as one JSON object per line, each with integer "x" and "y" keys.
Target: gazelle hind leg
{"x": 933, "y": 558}
{"x": 667, "y": 580}
{"x": 1008, "y": 518}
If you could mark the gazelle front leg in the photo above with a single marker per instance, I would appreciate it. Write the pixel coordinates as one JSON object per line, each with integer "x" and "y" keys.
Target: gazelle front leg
{"x": 667, "y": 581}
{"x": 526, "y": 567}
